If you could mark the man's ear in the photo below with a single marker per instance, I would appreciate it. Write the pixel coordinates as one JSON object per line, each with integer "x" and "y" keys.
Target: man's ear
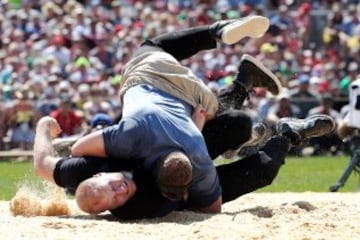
{"x": 199, "y": 116}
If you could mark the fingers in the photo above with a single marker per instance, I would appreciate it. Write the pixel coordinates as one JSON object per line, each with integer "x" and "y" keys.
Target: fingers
{"x": 55, "y": 129}
{"x": 51, "y": 124}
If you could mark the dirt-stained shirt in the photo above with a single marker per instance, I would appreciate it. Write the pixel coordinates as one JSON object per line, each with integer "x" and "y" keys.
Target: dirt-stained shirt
{"x": 164, "y": 72}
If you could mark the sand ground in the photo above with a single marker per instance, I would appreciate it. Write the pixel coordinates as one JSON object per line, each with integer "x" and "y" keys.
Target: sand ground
{"x": 277, "y": 216}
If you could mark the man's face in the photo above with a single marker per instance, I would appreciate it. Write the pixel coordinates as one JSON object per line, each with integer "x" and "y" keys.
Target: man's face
{"x": 65, "y": 106}
{"x": 112, "y": 190}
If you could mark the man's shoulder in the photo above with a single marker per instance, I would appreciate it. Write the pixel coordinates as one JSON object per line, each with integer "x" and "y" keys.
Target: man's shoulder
{"x": 306, "y": 94}
{"x": 55, "y": 113}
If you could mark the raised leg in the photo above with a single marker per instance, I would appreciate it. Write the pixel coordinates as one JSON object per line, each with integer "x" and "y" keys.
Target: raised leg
{"x": 251, "y": 73}
{"x": 253, "y": 172}
{"x": 228, "y": 130}
{"x": 185, "y": 43}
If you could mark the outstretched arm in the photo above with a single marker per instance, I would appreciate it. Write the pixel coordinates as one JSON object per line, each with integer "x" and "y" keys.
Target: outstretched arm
{"x": 89, "y": 145}
{"x": 43, "y": 152}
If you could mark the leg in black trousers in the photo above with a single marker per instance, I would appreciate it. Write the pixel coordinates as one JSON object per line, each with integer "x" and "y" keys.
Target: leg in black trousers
{"x": 253, "y": 172}
{"x": 180, "y": 44}
{"x": 228, "y": 130}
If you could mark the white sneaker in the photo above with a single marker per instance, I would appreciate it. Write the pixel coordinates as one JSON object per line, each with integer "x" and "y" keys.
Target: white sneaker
{"x": 233, "y": 30}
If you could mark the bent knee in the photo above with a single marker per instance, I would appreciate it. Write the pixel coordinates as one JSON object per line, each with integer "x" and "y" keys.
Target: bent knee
{"x": 270, "y": 168}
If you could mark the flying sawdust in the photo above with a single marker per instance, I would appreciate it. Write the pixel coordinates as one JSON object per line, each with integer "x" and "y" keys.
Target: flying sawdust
{"x": 31, "y": 200}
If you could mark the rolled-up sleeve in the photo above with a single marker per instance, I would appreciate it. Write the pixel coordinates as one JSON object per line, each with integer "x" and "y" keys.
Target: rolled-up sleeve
{"x": 122, "y": 140}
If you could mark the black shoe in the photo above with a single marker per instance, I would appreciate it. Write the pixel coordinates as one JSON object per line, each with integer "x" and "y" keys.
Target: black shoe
{"x": 276, "y": 148}
{"x": 259, "y": 134}
{"x": 233, "y": 30}
{"x": 232, "y": 97}
{"x": 252, "y": 73}
{"x": 297, "y": 130}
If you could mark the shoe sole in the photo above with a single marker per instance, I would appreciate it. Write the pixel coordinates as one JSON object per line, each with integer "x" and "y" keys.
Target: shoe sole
{"x": 256, "y": 62}
{"x": 313, "y": 130}
{"x": 324, "y": 118}
{"x": 253, "y": 26}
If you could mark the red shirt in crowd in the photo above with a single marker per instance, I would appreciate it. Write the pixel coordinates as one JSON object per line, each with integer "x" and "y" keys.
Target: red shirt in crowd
{"x": 69, "y": 122}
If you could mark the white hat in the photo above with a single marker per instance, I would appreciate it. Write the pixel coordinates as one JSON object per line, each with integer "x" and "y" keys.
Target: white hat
{"x": 84, "y": 88}
{"x": 285, "y": 94}
{"x": 64, "y": 85}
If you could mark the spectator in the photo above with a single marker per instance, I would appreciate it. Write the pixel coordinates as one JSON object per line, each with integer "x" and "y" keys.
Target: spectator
{"x": 38, "y": 70}
{"x": 101, "y": 120}
{"x": 303, "y": 23}
{"x": 96, "y": 104}
{"x": 351, "y": 76}
{"x": 69, "y": 121}
{"x": 82, "y": 24}
{"x": 303, "y": 90}
{"x": 103, "y": 52}
{"x": 82, "y": 95}
{"x": 58, "y": 50}
{"x": 282, "y": 18}
{"x": 48, "y": 102}
{"x": 22, "y": 118}
{"x": 83, "y": 72}
{"x": 264, "y": 105}
{"x": 329, "y": 142}
{"x": 303, "y": 97}
{"x": 326, "y": 106}
{"x": 352, "y": 21}
{"x": 282, "y": 108}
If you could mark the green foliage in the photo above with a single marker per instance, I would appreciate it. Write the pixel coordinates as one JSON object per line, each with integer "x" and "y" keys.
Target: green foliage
{"x": 299, "y": 174}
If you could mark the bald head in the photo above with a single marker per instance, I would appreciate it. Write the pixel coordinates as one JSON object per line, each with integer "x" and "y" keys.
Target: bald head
{"x": 87, "y": 197}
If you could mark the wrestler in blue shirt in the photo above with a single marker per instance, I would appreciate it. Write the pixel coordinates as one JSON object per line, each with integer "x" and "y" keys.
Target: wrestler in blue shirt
{"x": 154, "y": 124}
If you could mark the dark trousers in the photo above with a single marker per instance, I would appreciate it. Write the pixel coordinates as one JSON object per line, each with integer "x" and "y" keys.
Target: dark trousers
{"x": 230, "y": 128}
{"x": 180, "y": 44}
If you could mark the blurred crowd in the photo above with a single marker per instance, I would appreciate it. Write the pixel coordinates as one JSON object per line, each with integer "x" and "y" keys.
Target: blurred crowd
{"x": 64, "y": 58}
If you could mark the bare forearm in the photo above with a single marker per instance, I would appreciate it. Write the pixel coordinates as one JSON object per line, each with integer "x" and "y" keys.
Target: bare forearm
{"x": 89, "y": 145}
{"x": 43, "y": 152}
{"x": 42, "y": 143}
